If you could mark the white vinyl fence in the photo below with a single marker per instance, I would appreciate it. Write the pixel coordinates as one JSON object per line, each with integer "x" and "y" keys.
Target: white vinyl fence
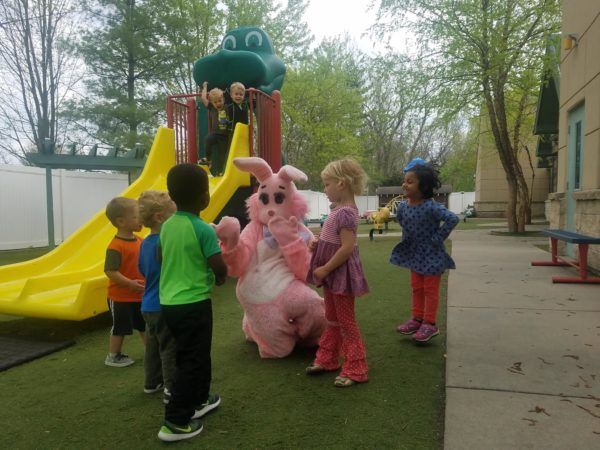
{"x": 458, "y": 201}
{"x": 319, "y": 205}
{"x": 77, "y": 197}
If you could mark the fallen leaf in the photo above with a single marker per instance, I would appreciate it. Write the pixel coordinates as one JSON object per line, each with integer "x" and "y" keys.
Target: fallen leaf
{"x": 539, "y": 409}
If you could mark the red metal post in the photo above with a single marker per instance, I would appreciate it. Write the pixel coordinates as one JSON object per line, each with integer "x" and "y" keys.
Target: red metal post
{"x": 192, "y": 146}
{"x": 583, "y": 254}
{"x": 251, "y": 112}
{"x": 276, "y": 132}
{"x": 169, "y": 112}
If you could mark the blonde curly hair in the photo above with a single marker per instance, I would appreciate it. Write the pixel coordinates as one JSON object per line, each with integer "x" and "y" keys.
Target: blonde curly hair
{"x": 349, "y": 171}
{"x": 152, "y": 202}
{"x": 215, "y": 94}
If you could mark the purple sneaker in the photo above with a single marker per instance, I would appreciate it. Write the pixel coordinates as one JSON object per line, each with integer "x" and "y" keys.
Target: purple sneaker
{"x": 409, "y": 327}
{"x": 426, "y": 332}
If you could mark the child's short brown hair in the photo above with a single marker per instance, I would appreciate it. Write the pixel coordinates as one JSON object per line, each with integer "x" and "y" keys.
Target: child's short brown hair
{"x": 152, "y": 202}
{"x": 118, "y": 207}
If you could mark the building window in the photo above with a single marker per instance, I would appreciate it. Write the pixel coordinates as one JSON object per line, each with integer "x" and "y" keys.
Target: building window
{"x": 578, "y": 131}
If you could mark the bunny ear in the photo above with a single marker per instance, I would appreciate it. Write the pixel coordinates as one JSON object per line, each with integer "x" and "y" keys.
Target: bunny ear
{"x": 290, "y": 173}
{"x": 256, "y": 166}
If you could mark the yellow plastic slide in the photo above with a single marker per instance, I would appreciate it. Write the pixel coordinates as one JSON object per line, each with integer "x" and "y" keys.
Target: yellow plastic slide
{"x": 69, "y": 282}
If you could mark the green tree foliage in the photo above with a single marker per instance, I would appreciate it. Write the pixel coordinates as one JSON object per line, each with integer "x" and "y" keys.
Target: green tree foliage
{"x": 288, "y": 31}
{"x": 322, "y": 109}
{"x": 397, "y": 115}
{"x": 124, "y": 56}
{"x": 483, "y": 52}
{"x": 460, "y": 163}
{"x": 190, "y": 30}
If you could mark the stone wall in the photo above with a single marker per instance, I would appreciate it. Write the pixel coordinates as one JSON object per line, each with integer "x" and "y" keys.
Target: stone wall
{"x": 587, "y": 219}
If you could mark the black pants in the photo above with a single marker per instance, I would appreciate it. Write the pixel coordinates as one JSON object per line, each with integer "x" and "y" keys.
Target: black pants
{"x": 216, "y": 145}
{"x": 191, "y": 327}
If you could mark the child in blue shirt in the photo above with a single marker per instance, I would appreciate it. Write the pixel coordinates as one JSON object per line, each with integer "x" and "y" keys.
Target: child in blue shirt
{"x": 159, "y": 360}
{"x": 425, "y": 225}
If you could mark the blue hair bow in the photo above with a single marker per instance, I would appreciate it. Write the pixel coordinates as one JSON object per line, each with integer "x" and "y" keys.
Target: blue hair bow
{"x": 414, "y": 162}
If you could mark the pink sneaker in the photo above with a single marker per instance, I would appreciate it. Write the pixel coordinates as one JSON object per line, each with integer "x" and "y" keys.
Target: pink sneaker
{"x": 408, "y": 327}
{"x": 426, "y": 332}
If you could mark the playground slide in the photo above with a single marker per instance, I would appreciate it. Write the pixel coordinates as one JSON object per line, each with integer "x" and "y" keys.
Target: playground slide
{"x": 69, "y": 282}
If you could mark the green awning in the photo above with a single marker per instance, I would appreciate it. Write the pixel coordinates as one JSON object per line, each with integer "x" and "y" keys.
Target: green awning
{"x": 546, "y": 117}
{"x": 545, "y": 145}
{"x": 544, "y": 163}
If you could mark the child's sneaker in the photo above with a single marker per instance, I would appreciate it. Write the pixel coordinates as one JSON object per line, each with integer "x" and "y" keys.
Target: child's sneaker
{"x": 166, "y": 396}
{"x": 426, "y": 332}
{"x": 153, "y": 389}
{"x": 118, "y": 360}
{"x": 170, "y": 432}
{"x": 210, "y": 404}
{"x": 409, "y": 327}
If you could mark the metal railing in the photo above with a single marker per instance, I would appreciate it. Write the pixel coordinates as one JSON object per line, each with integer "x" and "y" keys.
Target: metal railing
{"x": 265, "y": 126}
{"x": 182, "y": 118}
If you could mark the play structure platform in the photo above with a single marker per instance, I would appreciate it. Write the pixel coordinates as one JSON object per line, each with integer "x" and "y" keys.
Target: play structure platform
{"x": 69, "y": 282}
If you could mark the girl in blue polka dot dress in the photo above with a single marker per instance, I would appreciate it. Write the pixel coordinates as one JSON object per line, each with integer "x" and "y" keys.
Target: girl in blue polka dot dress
{"x": 425, "y": 225}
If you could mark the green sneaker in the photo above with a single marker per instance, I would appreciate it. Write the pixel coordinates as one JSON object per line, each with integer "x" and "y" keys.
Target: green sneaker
{"x": 211, "y": 403}
{"x": 170, "y": 432}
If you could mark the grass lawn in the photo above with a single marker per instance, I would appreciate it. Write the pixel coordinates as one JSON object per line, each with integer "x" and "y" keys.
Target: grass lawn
{"x": 70, "y": 399}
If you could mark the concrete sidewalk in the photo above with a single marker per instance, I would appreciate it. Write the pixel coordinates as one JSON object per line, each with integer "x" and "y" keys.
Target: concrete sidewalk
{"x": 523, "y": 357}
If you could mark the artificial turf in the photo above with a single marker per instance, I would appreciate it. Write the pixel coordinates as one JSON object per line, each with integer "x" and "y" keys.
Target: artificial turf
{"x": 70, "y": 399}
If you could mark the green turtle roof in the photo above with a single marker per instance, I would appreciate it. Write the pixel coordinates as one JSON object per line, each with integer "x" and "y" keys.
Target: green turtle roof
{"x": 247, "y": 56}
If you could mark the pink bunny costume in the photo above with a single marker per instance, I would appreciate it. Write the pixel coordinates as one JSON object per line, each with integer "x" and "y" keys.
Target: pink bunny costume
{"x": 271, "y": 259}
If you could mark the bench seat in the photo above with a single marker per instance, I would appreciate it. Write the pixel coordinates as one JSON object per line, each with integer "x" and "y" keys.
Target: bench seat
{"x": 571, "y": 237}
{"x": 583, "y": 242}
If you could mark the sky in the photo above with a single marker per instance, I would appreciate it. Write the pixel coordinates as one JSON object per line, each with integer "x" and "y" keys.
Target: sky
{"x": 329, "y": 18}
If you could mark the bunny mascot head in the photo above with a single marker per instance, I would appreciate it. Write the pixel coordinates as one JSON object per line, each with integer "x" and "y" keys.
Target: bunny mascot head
{"x": 276, "y": 194}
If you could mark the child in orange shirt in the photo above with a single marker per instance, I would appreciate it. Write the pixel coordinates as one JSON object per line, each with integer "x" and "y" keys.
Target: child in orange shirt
{"x": 126, "y": 284}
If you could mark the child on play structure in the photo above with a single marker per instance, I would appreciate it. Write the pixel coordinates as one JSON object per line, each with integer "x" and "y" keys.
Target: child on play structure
{"x": 126, "y": 284}
{"x": 159, "y": 357}
{"x": 336, "y": 266}
{"x": 237, "y": 108}
{"x": 217, "y": 141}
{"x": 422, "y": 247}
{"x": 191, "y": 266}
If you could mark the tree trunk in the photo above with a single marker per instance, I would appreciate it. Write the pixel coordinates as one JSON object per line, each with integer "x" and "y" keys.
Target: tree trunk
{"x": 511, "y": 203}
{"x": 524, "y": 205}
{"x": 498, "y": 125}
